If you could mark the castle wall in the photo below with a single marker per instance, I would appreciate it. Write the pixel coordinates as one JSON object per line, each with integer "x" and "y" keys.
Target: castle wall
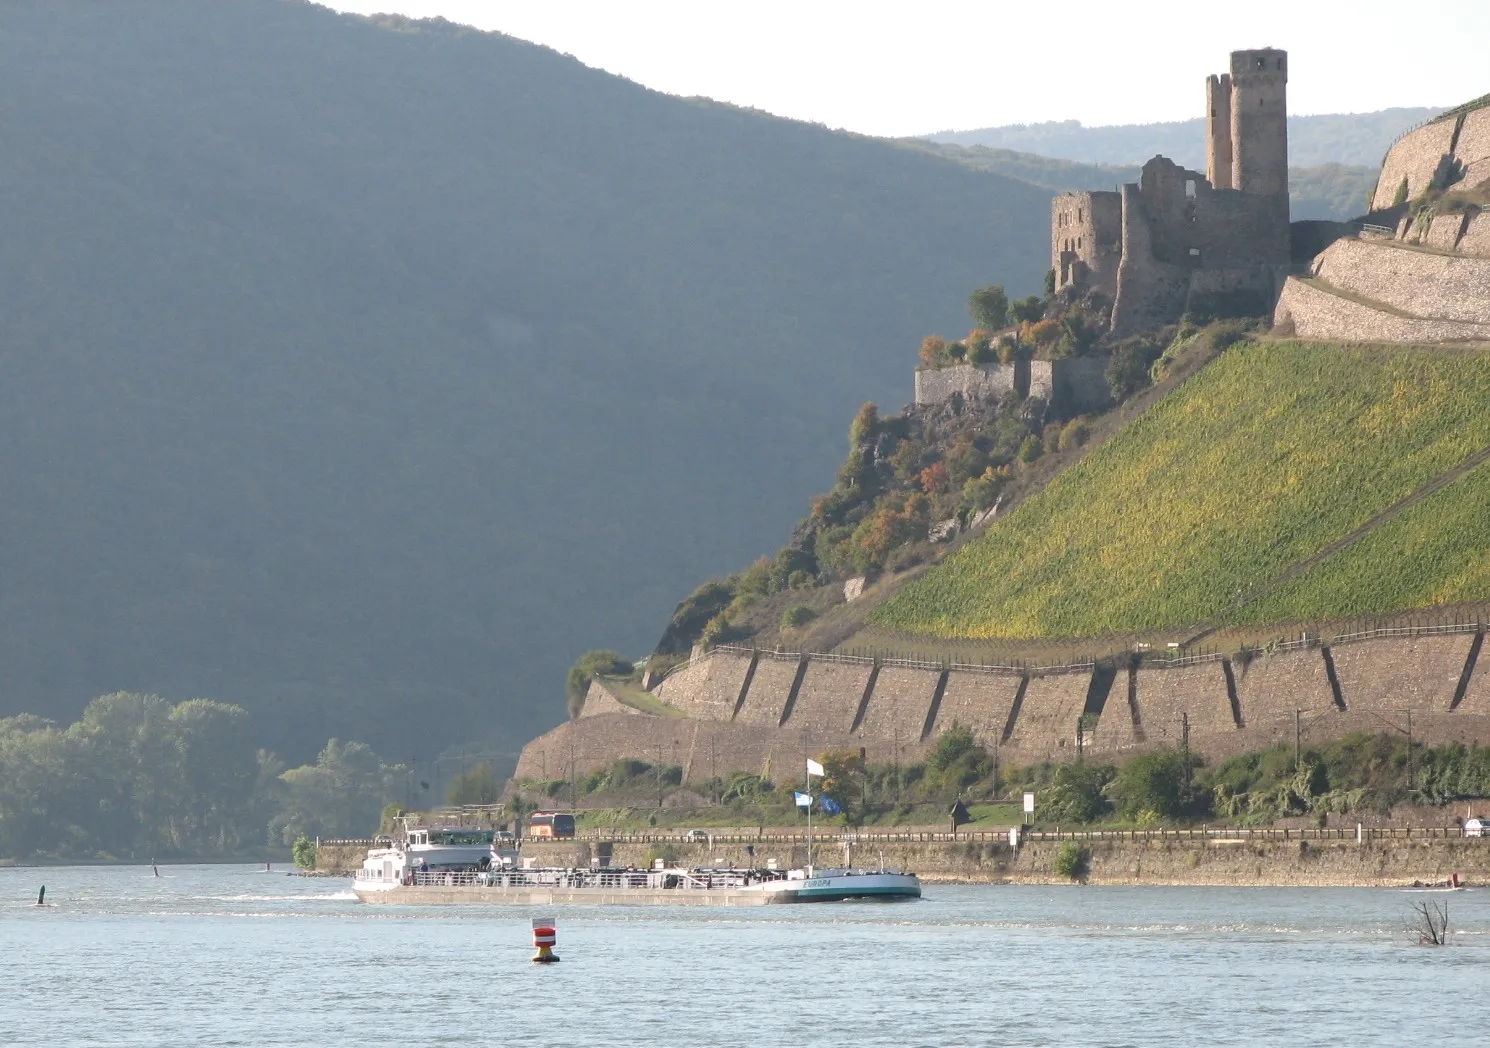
{"x": 1085, "y": 236}
{"x": 1074, "y": 386}
{"x": 1149, "y": 292}
{"x": 1318, "y": 313}
{"x": 1415, "y": 157}
{"x": 1218, "y": 155}
{"x": 1425, "y": 284}
{"x": 971, "y": 381}
{"x": 1259, "y": 123}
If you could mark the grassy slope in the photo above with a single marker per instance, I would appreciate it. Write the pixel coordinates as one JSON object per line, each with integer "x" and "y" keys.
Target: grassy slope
{"x": 1262, "y": 459}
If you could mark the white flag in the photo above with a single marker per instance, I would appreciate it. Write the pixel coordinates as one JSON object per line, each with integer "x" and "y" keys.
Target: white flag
{"x": 814, "y": 768}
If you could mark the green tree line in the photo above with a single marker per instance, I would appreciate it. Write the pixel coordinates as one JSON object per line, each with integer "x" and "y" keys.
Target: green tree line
{"x": 137, "y": 777}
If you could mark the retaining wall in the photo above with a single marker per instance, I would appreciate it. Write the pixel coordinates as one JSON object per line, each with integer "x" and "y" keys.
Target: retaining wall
{"x": 709, "y": 688}
{"x": 1165, "y": 696}
{"x": 769, "y": 688}
{"x": 1425, "y": 284}
{"x": 1473, "y": 147}
{"x": 898, "y": 707}
{"x": 599, "y": 700}
{"x": 830, "y": 696}
{"x": 1046, "y": 725}
{"x": 1414, "y": 673}
{"x": 1318, "y": 313}
{"x": 980, "y": 702}
{"x": 1415, "y": 157}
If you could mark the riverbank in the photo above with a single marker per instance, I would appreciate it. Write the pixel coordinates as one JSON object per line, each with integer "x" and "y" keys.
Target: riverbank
{"x": 984, "y": 859}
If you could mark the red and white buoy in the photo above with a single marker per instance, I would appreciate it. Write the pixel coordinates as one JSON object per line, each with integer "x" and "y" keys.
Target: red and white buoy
{"x": 545, "y": 934}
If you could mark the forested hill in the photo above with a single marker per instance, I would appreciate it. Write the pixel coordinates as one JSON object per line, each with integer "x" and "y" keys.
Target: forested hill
{"x": 1356, "y": 139}
{"x": 362, "y": 372}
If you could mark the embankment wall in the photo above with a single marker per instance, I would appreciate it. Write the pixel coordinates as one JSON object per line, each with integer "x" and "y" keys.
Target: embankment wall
{"x": 797, "y": 706}
{"x": 1306, "y": 863}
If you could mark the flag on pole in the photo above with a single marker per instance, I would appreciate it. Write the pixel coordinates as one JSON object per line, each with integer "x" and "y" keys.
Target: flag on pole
{"x": 804, "y": 800}
{"x": 829, "y": 805}
{"x": 814, "y": 768}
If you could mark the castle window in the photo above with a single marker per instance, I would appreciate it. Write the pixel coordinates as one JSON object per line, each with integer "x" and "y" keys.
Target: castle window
{"x": 1195, "y": 252}
{"x": 1262, "y": 63}
{"x": 1190, "y": 188}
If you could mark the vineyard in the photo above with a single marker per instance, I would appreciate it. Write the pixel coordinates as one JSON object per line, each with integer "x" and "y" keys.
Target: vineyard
{"x": 1260, "y": 461}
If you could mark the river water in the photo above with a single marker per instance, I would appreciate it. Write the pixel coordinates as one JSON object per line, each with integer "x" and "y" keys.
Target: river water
{"x": 232, "y": 955}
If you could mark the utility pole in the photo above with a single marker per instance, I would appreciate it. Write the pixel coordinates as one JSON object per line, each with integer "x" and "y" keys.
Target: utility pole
{"x": 1185, "y": 745}
{"x": 1411, "y": 779}
{"x": 1080, "y": 740}
{"x": 659, "y": 776}
{"x": 1296, "y": 714}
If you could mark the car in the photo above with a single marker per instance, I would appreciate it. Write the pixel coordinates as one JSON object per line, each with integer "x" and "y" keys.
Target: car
{"x": 696, "y": 835}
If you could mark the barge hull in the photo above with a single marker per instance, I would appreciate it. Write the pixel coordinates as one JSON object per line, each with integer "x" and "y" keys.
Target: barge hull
{"x": 434, "y": 895}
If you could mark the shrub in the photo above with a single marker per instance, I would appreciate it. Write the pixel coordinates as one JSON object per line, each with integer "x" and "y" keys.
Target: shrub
{"x": 585, "y": 669}
{"x": 1027, "y": 310}
{"x": 1030, "y": 449}
{"x": 1074, "y": 435}
{"x": 1071, "y": 861}
{"x": 1128, "y": 368}
{"x": 957, "y": 351}
{"x": 1077, "y": 793}
{"x": 478, "y": 785}
{"x": 304, "y": 853}
{"x": 797, "y": 615}
{"x": 1156, "y": 782}
{"x": 864, "y": 425}
{"x": 933, "y": 351}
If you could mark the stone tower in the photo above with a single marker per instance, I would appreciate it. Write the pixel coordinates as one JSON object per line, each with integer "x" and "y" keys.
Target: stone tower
{"x": 1218, "y": 131}
{"x": 1259, "y": 122}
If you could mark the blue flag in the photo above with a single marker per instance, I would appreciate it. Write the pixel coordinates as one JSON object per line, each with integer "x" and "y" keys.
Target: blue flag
{"x": 829, "y": 805}
{"x": 804, "y": 800}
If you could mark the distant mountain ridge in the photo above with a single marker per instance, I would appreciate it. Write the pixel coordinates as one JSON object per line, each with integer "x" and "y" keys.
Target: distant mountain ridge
{"x": 1355, "y": 139}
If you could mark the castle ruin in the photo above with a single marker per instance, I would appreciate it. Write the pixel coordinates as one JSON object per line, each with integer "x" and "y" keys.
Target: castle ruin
{"x": 1178, "y": 241}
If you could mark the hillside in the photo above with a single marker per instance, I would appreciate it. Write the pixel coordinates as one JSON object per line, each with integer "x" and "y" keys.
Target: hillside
{"x": 1328, "y": 191}
{"x": 353, "y": 371}
{"x": 1357, "y": 139}
{"x": 1190, "y": 513}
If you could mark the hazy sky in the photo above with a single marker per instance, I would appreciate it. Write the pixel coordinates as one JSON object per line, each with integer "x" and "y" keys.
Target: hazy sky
{"x": 929, "y": 65}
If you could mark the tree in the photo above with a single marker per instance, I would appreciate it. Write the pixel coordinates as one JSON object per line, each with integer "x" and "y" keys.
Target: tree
{"x": 864, "y": 425}
{"x": 843, "y": 774}
{"x": 989, "y": 307}
{"x": 1027, "y": 310}
{"x": 1078, "y": 793}
{"x": 304, "y": 853}
{"x": 1155, "y": 783}
{"x": 587, "y": 667}
{"x": 933, "y": 351}
{"x": 478, "y": 785}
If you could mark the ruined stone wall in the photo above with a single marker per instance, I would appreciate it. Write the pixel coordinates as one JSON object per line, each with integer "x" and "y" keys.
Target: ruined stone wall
{"x": 1218, "y": 153}
{"x": 1259, "y": 123}
{"x": 971, "y": 381}
{"x": 1318, "y": 313}
{"x": 1085, "y": 237}
{"x": 1425, "y": 284}
{"x": 1416, "y": 158}
{"x": 1149, "y": 292}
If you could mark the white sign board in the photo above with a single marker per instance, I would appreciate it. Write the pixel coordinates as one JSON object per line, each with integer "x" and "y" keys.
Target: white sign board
{"x": 1029, "y": 804}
